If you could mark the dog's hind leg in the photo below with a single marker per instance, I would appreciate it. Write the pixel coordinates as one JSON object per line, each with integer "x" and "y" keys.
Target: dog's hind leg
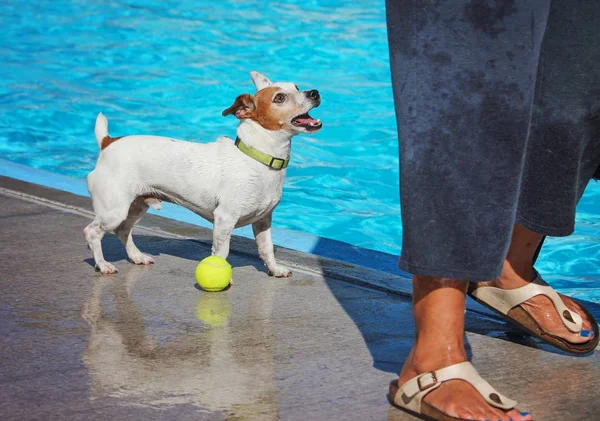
{"x": 111, "y": 210}
{"x": 93, "y": 235}
{"x": 136, "y": 211}
{"x": 94, "y": 232}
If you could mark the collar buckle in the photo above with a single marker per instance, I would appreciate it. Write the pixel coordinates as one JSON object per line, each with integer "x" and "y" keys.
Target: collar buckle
{"x": 277, "y": 163}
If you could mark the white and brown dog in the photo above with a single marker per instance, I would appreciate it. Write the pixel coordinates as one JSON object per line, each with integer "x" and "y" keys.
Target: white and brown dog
{"x": 230, "y": 183}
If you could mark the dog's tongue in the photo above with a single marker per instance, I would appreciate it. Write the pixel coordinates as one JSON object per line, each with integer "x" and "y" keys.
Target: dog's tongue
{"x": 307, "y": 121}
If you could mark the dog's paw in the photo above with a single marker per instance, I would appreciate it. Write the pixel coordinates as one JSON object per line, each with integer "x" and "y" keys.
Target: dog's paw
{"x": 106, "y": 268}
{"x": 280, "y": 272}
{"x": 141, "y": 259}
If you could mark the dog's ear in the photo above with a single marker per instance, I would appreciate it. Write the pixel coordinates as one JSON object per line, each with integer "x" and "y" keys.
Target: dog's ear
{"x": 243, "y": 107}
{"x": 260, "y": 81}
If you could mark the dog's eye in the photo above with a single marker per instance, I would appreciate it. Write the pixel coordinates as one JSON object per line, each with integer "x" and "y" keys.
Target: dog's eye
{"x": 279, "y": 98}
{"x": 297, "y": 88}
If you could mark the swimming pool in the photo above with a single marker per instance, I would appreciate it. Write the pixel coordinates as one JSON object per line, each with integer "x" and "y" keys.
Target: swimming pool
{"x": 170, "y": 67}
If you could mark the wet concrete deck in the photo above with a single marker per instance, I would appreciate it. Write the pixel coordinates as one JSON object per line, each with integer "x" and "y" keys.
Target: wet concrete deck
{"x": 146, "y": 344}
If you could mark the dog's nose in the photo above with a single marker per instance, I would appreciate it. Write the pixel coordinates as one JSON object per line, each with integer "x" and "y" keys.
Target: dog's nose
{"x": 314, "y": 94}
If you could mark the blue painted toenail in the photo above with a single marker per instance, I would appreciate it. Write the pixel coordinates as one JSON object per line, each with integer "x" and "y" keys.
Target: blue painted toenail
{"x": 524, "y": 414}
{"x": 586, "y": 333}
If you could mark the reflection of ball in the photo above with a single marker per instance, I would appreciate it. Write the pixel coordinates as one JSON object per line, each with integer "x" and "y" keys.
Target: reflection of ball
{"x": 213, "y": 273}
{"x": 213, "y": 309}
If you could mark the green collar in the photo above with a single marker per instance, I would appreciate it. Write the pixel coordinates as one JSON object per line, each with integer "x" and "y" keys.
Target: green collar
{"x": 263, "y": 158}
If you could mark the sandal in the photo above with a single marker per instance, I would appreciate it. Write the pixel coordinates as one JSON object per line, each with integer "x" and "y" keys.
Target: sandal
{"x": 409, "y": 397}
{"x": 507, "y": 303}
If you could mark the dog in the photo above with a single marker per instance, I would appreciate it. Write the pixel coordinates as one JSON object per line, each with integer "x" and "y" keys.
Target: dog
{"x": 231, "y": 183}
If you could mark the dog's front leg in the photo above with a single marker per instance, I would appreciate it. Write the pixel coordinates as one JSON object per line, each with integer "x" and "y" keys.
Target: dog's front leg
{"x": 223, "y": 228}
{"x": 262, "y": 232}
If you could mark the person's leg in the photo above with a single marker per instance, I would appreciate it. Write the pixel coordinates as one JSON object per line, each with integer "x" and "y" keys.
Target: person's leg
{"x": 463, "y": 78}
{"x": 563, "y": 151}
{"x": 463, "y": 75}
{"x": 439, "y": 343}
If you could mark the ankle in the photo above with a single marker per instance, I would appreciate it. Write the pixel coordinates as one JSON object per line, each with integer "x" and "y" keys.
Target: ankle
{"x": 521, "y": 254}
{"x": 514, "y": 276}
{"x": 423, "y": 359}
{"x": 427, "y": 356}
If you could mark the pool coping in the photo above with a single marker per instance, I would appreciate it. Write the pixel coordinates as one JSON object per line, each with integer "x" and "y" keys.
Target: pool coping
{"x": 295, "y": 259}
{"x": 69, "y": 193}
{"x": 309, "y": 262}
{"x": 290, "y": 239}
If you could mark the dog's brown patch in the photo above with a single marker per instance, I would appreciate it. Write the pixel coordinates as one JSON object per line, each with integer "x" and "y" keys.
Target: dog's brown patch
{"x": 268, "y": 116}
{"x": 260, "y": 108}
{"x": 107, "y": 140}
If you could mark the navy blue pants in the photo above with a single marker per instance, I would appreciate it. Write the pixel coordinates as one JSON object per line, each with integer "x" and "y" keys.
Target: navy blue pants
{"x": 498, "y": 110}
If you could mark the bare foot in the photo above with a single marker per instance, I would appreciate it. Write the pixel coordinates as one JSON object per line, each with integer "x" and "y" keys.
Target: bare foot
{"x": 542, "y": 309}
{"x": 518, "y": 271}
{"x": 438, "y": 305}
{"x": 456, "y": 398}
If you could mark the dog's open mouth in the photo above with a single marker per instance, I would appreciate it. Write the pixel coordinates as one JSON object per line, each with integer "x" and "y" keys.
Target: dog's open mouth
{"x": 307, "y": 122}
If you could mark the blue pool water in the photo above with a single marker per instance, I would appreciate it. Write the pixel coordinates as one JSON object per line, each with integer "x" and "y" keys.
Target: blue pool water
{"x": 170, "y": 67}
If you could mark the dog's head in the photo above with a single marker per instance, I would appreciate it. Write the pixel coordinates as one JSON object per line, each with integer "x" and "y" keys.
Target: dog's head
{"x": 278, "y": 106}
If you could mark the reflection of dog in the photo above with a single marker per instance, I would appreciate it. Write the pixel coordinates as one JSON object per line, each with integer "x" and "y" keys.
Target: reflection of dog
{"x": 231, "y": 184}
{"x": 227, "y": 366}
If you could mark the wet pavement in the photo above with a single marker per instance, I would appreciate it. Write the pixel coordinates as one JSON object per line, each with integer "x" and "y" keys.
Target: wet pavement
{"x": 147, "y": 344}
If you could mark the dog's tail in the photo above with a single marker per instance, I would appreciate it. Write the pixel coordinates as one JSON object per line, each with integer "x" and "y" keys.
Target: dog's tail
{"x": 101, "y": 129}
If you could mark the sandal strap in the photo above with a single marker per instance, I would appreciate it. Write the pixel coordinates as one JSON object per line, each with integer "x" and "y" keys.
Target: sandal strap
{"x": 411, "y": 393}
{"x": 503, "y": 300}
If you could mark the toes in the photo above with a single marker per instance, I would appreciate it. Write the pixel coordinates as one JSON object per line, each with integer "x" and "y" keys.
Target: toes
{"x": 586, "y": 333}
{"x": 526, "y": 416}
{"x": 142, "y": 259}
{"x": 496, "y": 415}
{"x": 147, "y": 260}
{"x": 517, "y": 415}
{"x": 280, "y": 272}
{"x": 107, "y": 270}
{"x": 575, "y": 307}
{"x": 466, "y": 415}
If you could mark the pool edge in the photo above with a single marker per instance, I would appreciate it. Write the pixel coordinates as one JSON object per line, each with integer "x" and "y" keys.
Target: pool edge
{"x": 287, "y": 255}
{"x": 369, "y": 276}
{"x": 282, "y": 237}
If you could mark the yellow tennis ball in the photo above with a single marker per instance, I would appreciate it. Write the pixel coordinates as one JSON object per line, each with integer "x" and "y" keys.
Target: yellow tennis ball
{"x": 213, "y": 273}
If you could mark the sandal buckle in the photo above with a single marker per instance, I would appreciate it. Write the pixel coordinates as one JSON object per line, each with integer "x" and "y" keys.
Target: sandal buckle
{"x": 433, "y": 380}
